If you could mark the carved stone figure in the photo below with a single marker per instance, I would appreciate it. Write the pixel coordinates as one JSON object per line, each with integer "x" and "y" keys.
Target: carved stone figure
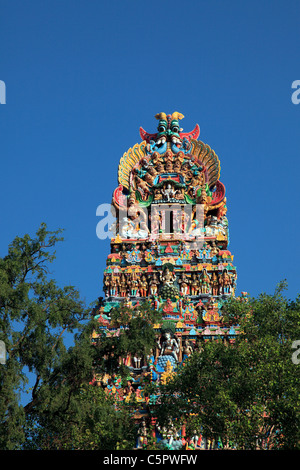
{"x": 143, "y": 286}
{"x": 226, "y": 282}
{"x": 168, "y": 277}
{"x": 170, "y": 346}
{"x": 153, "y": 285}
{"x": 187, "y": 348}
{"x": 168, "y": 192}
{"x": 204, "y": 282}
{"x": 107, "y": 285}
{"x": 123, "y": 286}
{"x": 214, "y": 249}
{"x": 195, "y": 284}
{"x": 214, "y": 284}
{"x": 137, "y": 360}
{"x": 184, "y": 284}
{"x": 133, "y": 284}
{"x": 111, "y": 285}
{"x": 142, "y": 435}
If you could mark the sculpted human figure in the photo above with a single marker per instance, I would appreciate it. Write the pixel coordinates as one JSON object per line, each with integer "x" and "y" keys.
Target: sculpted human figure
{"x": 128, "y": 389}
{"x": 127, "y": 228}
{"x": 187, "y": 349}
{"x": 160, "y": 167}
{"x": 177, "y": 166}
{"x": 137, "y": 361}
{"x": 168, "y": 277}
{"x": 155, "y": 157}
{"x": 114, "y": 286}
{"x": 142, "y": 186}
{"x": 138, "y": 218}
{"x": 153, "y": 284}
{"x": 184, "y": 221}
{"x": 195, "y": 284}
{"x": 204, "y": 282}
{"x": 168, "y": 192}
{"x": 123, "y": 286}
{"x": 155, "y": 221}
{"x": 170, "y": 346}
{"x": 143, "y": 286}
{"x": 149, "y": 178}
{"x": 184, "y": 284}
{"x": 226, "y": 282}
{"x": 107, "y": 285}
{"x": 142, "y": 435}
{"x": 214, "y": 284}
{"x": 214, "y": 249}
{"x": 133, "y": 284}
{"x": 169, "y": 166}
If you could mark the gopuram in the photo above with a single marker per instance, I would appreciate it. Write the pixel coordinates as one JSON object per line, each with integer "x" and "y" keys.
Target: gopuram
{"x": 170, "y": 248}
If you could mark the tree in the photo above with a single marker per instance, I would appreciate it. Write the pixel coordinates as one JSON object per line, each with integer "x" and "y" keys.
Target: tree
{"x": 136, "y": 337}
{"x": 246, "y": 394}
{"x": 92, "y": 421}
{"x": 35, "y": 313}
{"x": 63, "y": 411}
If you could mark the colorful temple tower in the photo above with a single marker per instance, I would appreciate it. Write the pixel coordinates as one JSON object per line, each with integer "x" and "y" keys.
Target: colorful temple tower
{"x": 170, "y": 245}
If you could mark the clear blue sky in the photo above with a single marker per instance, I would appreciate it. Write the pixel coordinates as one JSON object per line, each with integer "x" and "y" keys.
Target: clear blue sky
{"x": 82, "y": 77}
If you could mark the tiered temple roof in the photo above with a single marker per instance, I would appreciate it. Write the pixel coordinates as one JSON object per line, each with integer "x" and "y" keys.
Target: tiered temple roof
{"x": 170, "y": 245}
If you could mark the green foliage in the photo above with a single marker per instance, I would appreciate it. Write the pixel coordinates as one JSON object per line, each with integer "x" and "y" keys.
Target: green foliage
{"x": 63, "y": 410}
{"x": 137, "y": 336}
{"x": 91, "y": 422}
{"x": 35, "y": 314}
{"x": 246, "y": 393}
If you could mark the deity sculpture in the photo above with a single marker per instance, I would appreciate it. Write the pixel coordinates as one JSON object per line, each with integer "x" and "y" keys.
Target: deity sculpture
{"x": 170, "y": 346}
{"x": 133, "y": 284}
{"x": 142, "y": 435}
{"x": 225, "y": 282}
{"x": 214, "y": 249}
{"x": 153, "y": 285}
{"x": 168, "y": 192}
{"x": 195, "y": 284}
{"x": 215, "y": 284}
{"x": 111, "y": 285}
{"x": 143, "y": 286}
{"x": 123, "y": 285}
{"x": 184, "y": 284}
{"x": 167, "y": 277}
{"x": 187, "y": 349}
{"x": 204, "y": 282}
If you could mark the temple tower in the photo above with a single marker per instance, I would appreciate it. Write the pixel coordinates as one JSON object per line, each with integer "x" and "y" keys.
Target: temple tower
{"x": 170, "y": 243}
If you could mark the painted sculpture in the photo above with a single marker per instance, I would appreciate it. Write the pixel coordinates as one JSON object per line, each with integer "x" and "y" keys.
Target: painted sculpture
{"x": 170, "y": 248}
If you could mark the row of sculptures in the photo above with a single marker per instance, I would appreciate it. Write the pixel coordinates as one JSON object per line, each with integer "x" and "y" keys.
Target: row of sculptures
{"x": 142, "y": 222}
{"x": 191, "y": 182}
{"x": 173, "y": 437}
{"x": 143, "y": 285}
{"x": 167, "y": 345}
{"x": 151, "y": 252}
